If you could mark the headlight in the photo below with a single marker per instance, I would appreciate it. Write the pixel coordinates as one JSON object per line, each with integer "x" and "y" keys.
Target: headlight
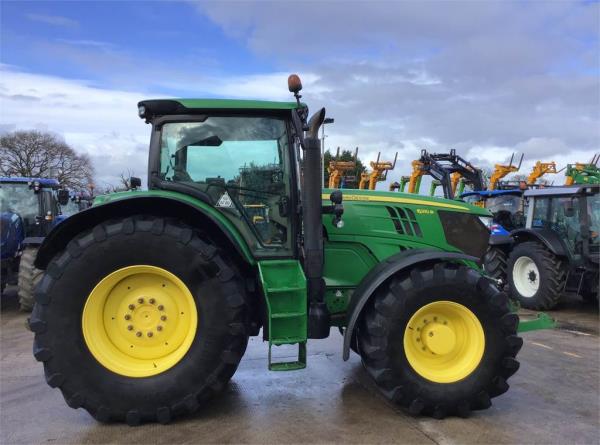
{"x": 141, "y": 110}
{"x": 487, "y": 221}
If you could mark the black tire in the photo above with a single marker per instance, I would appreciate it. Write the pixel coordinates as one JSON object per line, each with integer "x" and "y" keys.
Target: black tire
{"x": 3, "y": 280}
{"x": 213, "y": 357}
{"x": 494, "y": 263}
{"x": 590, "y": 290}
{"x": 552, "y": 276}
{"x": 29, "y": 277}
{"x": 386, "y": 316}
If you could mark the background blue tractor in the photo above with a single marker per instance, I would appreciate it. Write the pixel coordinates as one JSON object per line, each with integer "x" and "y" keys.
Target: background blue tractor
{"x": 508, "y": 210}
{"x": 506, "y": 207}
{"x": 30, "y": 208}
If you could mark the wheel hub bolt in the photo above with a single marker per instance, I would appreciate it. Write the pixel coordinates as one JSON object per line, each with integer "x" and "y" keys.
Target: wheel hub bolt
{"x": 127, "y": 316}
{"x": 161, "y": 307}
{"x": 150, "y": 334}
{"x": 163, "y": 317}
{"x": 151, "y": 301}
{"x": 138, "y": 334}
{"x": 131, "y": 306}
{"x": 140, "y": 300}
{"x": 159, "y": 328}
{"x": 130, "y": 328}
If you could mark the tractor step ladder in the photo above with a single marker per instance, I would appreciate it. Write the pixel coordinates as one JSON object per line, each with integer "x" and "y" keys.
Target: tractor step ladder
{"x": 284, "y": 286}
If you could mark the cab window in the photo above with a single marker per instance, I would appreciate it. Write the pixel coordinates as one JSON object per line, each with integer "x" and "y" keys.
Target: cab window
{"x": 242, "y": 164}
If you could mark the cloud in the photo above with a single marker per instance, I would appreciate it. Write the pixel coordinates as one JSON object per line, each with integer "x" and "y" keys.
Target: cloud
{"x": 54, "y": 20}
{"x": 99, "y": 122}
{"x": 487, "y": 78}
{"x": 103, "y": 123}
{"x": 87, "y": 43}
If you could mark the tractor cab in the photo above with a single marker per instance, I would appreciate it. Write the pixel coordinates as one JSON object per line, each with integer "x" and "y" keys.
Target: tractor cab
{"x": 506, "y": 207}
{"x": 573, "y": 213}
{"x": 30, "y": 208}
{"x": 34, "y": 200}
{"x": 235, "y": 155}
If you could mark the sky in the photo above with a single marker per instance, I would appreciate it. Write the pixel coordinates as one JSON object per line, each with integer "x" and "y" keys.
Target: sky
{"x": 485, "y": 78}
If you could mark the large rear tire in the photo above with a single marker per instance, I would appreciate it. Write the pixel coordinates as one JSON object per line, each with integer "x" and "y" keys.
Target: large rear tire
{"x": 536, "y": 276}
{"x": 140, "y": 320}
{"x": 28, "y": 278}
{"x": 439, "y": 340}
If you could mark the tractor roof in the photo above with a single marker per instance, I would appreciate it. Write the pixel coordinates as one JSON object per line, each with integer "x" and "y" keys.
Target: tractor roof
{"x": 564, "y": 190}
{"x": 490, "y": 193}
{"x": 161, "y": 107}
{"x": 44, "y": 182}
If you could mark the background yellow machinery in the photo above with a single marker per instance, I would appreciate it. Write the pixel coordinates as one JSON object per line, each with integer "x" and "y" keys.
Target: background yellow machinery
{"x": 501, "y": 170}
{"x": 378, "y": 173}
{"x": 540, "y": 169}
{"x": 337, "y": 169}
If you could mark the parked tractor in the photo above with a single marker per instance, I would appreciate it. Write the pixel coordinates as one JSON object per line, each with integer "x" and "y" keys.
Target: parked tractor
{"x": 76, "y": 203}
{"x": 506, "y": 206}
{"x": 557, "y": 250}
{"x": 148, "y": 298}
{"x": 29, "y": 209}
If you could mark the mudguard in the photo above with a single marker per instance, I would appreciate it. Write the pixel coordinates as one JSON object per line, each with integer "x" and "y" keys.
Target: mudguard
{"x": 548, "y": 238}
{"x": 500, "y": 240}
{"x": 141, "y": 203}
{"x": 380, "y": 273}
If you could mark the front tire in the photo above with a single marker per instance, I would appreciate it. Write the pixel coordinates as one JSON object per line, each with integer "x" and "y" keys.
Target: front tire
{"x": 474, "y": 353}
{"x": 536, "y": 276}
{"x": 122, "y": 280}
{"x": 28, "y": 278}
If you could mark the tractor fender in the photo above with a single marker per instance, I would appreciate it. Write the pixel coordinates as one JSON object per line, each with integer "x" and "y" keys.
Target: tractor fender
{"x": 381, "y": 273}
{"x": 500, "y": 240}
{"x": 61, "y": 234}
{"x": 548, "y": 238}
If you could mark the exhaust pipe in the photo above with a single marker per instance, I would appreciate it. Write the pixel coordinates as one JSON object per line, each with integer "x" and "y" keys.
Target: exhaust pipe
{"x": 312, "y": 213}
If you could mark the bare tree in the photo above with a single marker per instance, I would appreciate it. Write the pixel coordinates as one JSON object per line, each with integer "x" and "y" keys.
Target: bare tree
{"x": 37, "y": 154}
{"x": 123, "y": 185}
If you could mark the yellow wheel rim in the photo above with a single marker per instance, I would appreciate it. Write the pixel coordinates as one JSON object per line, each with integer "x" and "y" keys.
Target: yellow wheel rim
{"x": 444, "y": 342}
{"x": 139, "y": 321}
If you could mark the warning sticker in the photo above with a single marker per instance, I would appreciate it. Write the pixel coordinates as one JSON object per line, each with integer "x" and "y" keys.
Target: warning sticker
{"x": 225, "y": 201}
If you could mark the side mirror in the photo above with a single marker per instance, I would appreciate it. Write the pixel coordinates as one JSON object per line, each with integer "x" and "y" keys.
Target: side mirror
{"x": 63, "y": 197}
{"x": 135, "y": 182}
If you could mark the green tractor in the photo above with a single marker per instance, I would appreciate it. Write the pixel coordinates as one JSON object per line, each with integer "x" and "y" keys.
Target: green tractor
{"x": 149, "y": 297}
